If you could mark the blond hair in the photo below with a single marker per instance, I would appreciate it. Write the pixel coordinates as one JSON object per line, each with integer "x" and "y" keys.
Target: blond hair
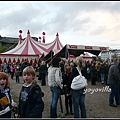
{"x": 29, "y": 70}
{"x": 66, "y": 69}
{"x": 78, "y": 62}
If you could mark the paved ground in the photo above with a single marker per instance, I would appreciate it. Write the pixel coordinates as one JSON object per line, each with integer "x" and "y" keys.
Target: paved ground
{"x": 96, "y": 102}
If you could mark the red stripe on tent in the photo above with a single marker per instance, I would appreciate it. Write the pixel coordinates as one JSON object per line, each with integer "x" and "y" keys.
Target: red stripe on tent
{"x": 14, "y": 61}
{"x": 39, "y": 61}
{"x": 14, "y": 50}
{"x": 41, "y": 47}
{"x": 52, "y": 47}
{"x": 35, "y": 61}
{"x": 25, "y": 51}
{"x": 36, "y": 51}
{"x": 31, "y": 61}
{"x": 5, "y": 60}
{"x": 58, "y": 47}
{"x": 18, "y": 60}
{"x": 23, "y": 60}
{"x": 9, "y": 61}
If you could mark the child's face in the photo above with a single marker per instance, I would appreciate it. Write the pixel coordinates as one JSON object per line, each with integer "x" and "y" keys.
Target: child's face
{"x": 28, "y": 78}
{"x": 3, "y": 83}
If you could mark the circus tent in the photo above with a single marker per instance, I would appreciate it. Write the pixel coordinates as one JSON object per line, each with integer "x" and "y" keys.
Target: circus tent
{"x": 31, "y": 50}
{"x": 56, "y": 46}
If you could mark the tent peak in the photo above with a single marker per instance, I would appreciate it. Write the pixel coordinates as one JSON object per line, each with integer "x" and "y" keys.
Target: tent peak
{"x": 57, "y": 34}
{"x": 28, "y": 32}
{"x": 20, "y": 36}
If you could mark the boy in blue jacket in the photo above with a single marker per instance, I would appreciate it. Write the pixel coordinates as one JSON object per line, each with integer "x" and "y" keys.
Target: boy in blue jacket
{"x": 31, "y": 104}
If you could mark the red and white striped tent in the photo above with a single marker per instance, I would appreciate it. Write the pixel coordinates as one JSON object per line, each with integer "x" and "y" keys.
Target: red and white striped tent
{"x": 30, "y": 49}
{"x": 55, "y": 46}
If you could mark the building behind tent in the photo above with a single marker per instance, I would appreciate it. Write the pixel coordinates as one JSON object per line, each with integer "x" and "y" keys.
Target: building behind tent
{"x": 107, "y": 55}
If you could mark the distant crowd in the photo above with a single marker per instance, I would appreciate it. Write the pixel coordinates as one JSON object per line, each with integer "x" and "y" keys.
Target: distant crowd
{"x": 59, "y": 74}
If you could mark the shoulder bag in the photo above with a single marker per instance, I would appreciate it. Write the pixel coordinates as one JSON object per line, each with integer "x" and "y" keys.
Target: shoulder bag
{"x": 79, "y": 82}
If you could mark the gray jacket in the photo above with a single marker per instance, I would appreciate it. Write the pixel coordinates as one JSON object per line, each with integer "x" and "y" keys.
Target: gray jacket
{"x": 113, "y": 74}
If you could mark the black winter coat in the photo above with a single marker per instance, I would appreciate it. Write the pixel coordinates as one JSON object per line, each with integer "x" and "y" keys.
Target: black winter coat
{"x": 31, "y": 105}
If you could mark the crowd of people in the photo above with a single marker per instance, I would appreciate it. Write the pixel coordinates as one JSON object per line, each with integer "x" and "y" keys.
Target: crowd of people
{"x": 60, "y": 74}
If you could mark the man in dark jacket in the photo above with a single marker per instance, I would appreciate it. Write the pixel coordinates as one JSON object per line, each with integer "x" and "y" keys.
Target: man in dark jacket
{"x": 113, "y": 82}
{"x": 42, "y": 73}
{"x": 24, "y": 65}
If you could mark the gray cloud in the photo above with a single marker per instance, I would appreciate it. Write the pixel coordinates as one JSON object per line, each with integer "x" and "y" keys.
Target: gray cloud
{"x": 53, "y": 17}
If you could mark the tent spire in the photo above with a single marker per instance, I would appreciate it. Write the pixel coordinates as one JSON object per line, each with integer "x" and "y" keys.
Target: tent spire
{"x": 39, "y": 39}
{"x": 20, "y": 36}
{"x": 57, "y": 34}
{"x": 28, "y": 32}
{"x": 43, "y": 37}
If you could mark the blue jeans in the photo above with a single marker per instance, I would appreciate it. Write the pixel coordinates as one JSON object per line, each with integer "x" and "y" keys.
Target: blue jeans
{"x": 53, "y": 105}
{"x": 102, "y": 78}
{"x": 114, "y": 94}
{"x": 78, "y": 99}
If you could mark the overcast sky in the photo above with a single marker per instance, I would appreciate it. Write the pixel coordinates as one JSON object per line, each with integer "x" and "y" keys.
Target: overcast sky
{"x": 77, "y": 23}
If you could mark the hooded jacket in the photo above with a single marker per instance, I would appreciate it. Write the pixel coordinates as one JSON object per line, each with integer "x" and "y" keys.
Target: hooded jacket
{"x": 31, "y": 104}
